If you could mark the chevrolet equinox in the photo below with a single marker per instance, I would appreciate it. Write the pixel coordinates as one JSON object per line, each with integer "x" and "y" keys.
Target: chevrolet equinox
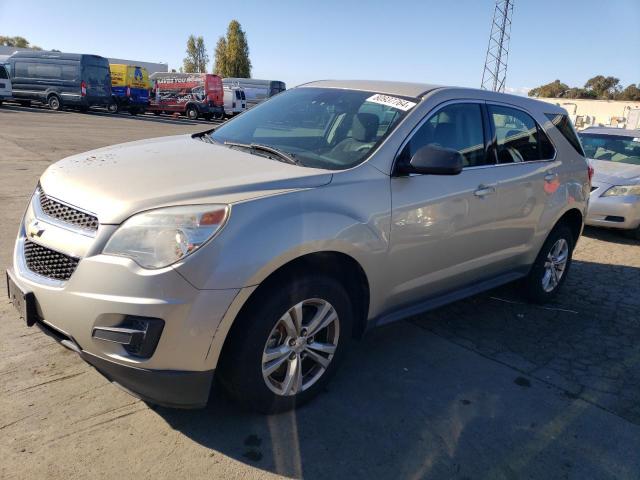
{"x": 255, "y": 252}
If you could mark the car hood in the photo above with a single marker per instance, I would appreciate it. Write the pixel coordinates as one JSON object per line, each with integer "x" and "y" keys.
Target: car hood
{"x": 615, "y": 173}
{"x": 115, "y": 182}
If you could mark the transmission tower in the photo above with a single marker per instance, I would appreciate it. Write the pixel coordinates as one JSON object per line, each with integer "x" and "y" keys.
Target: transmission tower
{"x": 495, "y": 65}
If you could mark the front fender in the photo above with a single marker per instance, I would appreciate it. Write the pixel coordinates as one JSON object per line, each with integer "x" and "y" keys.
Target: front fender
{"x": 350, "y": 215}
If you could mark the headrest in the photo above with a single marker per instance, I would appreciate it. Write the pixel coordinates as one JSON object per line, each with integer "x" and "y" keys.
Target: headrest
{"x": 365, "y": 127}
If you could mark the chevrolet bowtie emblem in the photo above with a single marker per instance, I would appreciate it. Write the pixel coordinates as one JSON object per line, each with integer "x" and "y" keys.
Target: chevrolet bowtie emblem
{"x": 34, "y": 230}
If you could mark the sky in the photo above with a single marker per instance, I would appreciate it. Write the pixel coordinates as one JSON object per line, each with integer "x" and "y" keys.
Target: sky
{"x": 442, "y": 42}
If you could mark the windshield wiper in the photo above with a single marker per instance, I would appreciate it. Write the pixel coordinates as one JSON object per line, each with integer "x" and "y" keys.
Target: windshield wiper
{"x": 287, "y": 157}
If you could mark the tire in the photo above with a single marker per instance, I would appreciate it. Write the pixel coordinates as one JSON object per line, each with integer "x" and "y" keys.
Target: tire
{"x": 242, "y": 371}
{"x": 54, "y": 103}
{"x": 543, "y": 281}
{"x": 192, "y": 113}
{"x": 113, "y": 107}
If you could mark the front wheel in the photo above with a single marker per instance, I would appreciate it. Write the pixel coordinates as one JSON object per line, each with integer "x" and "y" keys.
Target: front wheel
{"x": 192, "y": 113}
{"x": 113, "y": 107}
{"x": 551, "y": 267}
{"x": 287, "y": 343}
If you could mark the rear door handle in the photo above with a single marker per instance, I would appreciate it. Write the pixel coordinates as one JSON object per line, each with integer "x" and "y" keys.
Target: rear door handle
{"x": 484, "y": 190}
{"x": 550, "y": 177}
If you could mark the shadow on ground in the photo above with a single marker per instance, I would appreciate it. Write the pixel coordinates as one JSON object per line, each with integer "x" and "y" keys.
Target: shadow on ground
{"x": 166, "y": 119}
{"x": 414, "y": 399}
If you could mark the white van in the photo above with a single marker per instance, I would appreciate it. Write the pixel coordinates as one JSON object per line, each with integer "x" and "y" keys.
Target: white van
{"x": 235, "y": 101}
{"x": 5, "y": 84}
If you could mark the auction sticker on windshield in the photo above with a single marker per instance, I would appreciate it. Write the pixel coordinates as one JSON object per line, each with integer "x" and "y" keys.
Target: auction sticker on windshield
{"x": 390, "y": 101}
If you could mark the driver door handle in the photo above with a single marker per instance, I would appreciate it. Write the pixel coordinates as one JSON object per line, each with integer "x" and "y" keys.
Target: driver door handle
{"x": 484, "y": 190}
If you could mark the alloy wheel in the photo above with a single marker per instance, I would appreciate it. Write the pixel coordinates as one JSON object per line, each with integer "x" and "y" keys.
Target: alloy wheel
{"x": 555, "y": 265}
{"x": 300, "y": 347}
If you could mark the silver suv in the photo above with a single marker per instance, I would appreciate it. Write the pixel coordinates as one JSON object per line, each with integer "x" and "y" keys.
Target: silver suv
{"x": 257, "y": 251}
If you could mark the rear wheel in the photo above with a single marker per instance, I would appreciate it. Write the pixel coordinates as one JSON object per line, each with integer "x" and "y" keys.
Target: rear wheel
{"x": 551, "y": 267}
{"x": 54, "y": 103}
{"x": 192, "y": 113}
{"x": 113, "y": 107}
{"x": 287, "y": 344}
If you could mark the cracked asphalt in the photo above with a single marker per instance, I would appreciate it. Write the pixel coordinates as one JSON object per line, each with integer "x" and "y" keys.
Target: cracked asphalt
{"x": 489, "y": 387}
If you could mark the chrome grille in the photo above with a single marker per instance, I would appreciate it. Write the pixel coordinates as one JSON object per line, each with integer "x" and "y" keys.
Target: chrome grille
{"x": 48, "y": 263}
{"x": 68, "y": 214}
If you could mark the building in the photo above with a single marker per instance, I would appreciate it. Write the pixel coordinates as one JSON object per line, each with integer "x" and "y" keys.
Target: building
{"x": 586, "y": 112}
{"x": 6, "y": 52}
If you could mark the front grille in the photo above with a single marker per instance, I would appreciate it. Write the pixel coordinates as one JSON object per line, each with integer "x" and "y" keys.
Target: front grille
{"x": 68, "y": 214}
{"x": 48, "y": 263}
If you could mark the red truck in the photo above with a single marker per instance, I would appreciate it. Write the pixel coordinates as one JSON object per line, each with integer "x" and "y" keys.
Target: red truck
{"x": 192, "y": 94}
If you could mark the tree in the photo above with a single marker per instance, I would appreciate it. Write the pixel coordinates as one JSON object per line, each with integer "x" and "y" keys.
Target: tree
{"x": 632, "y": 93}
{"x": 232, "y": 53}
{"x": 579, "y": 93}
{"x": 197, "y": 59}
{"x": 554, "y": 89}
{"x": 603, "y": 87}
{"x": 18, "y": 42}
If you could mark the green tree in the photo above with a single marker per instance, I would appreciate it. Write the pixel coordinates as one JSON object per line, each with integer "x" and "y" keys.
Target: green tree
{"x": 18, "y": 42}
{"x": 197, "y": 59}
{"x": 576, "y": 92}
{"x": 603, "y": 87}
{"x": 554, "y": 89}
{"x": 232, "y": 53}
{"x": 632, "y": 93}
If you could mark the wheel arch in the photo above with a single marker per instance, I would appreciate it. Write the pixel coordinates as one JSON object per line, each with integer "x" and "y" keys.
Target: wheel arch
{"x": 333, "y": 263}
{"x": 574, "y": 219}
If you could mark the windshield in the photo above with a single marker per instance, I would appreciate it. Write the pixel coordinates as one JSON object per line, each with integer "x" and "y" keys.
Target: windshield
{"x": 319, "y": 127}
{"x": 615, "y": 148}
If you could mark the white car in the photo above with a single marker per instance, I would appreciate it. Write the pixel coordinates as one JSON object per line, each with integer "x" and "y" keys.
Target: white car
{"x": 614, "y": 154}
{"x": 5, "y": 84}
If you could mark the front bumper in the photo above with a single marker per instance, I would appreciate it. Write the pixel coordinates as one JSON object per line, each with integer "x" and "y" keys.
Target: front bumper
{"x": 612, "y": 212}
{"x": 104, "y": 291}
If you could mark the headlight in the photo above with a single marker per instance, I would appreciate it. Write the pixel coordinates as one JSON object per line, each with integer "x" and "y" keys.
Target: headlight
{"x": 622, "y": 190}
{"x": 158, "y": 238}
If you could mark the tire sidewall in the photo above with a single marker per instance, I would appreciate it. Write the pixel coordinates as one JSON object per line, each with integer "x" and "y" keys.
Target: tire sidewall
{"x": 192, "y": 113}
{"x": 53, "y": 100}
{"x": 242, "y": 371}
{"x": 535, "y": 291}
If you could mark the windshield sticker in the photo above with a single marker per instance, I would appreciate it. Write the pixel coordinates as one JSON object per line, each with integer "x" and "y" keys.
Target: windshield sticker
{"x": 390, "y": 101}
{"x": 637, "y": 139}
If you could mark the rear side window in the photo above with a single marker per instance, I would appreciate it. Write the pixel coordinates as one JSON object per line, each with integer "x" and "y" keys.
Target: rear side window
{"x": 238, "y": 97}
{"x": 458, "y": 126}
{"x": 518, "y": 137}
{"x": 3, "y": 73}
{"x": 563, "y": 124}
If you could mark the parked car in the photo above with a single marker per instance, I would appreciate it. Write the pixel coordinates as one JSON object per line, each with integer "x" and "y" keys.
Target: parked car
{"x": 5, "y": 84}
{"x": 614, "y": 154}
{"x": 256, "y": 251}
{"x": 60, "y": 79}
{"x": 192, "y": 94}
{"x": 256, "y": 90}
{"x": 130, "y": 88}
{"x": 234, "y": 101}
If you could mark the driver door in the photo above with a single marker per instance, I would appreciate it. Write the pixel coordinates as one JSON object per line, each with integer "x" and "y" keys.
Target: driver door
{"x": 442, "y": 225}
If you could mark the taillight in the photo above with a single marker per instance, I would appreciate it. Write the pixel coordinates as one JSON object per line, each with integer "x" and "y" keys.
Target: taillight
{"x": 591, "y": 171}
{"x": 83, "y": 89}
{"x": 128, "y": 92}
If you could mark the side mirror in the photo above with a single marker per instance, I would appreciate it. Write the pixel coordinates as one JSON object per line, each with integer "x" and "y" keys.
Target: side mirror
{"x": 435, "y": 160}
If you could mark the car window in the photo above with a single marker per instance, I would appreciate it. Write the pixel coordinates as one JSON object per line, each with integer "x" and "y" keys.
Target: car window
{"x": 518, "y": 136}
{"x": 3, "y": 73}
{"x": 458, "y": 126}
{"x": 562, "y": 123}
{"x": 320, "y": 127}
{"x": 614, "y": 148}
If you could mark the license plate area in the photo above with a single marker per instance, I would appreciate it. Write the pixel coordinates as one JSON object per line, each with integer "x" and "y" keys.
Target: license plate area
{"x": 23, "y": 302}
